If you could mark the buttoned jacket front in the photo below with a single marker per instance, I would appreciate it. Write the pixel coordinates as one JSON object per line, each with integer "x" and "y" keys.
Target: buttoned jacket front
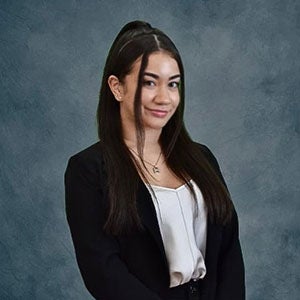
{"x": 134, "y": 266}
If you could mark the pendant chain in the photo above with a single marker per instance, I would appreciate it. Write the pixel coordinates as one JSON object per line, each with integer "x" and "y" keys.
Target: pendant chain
{"x": 155, "y": 169}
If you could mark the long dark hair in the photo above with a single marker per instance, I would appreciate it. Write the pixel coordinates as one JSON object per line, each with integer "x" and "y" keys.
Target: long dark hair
{"x": 184, "y": 157}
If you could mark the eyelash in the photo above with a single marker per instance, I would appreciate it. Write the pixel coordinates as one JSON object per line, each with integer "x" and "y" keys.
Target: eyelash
{"x": 170, "y": 84}
{"x": 148, "y": 82}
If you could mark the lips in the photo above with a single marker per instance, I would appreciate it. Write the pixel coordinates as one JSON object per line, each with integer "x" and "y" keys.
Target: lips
{"x": 158, "y": 112}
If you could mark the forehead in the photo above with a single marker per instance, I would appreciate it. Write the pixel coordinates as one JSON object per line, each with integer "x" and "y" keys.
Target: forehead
{"x": 160, "y": 63}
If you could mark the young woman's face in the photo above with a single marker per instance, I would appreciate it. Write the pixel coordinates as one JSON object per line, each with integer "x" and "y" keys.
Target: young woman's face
{"x": 160, "y": 92}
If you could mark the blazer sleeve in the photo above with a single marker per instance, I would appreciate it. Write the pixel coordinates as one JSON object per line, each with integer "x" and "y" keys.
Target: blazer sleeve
{"x": 231, "y": 273}
{"x": 231, "y": 270}
{"x": 98, "y": 255}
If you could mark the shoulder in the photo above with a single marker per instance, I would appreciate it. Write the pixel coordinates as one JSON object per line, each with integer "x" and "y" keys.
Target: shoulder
{"x": 93, "y": 152}
{"x": 87, "y": 163}
{"x": 208, "y": 154}
{"x": 211, "y": 159}
{"x": 89, "y": 156}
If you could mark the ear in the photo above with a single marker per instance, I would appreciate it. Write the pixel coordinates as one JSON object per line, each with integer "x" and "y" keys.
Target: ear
{"x": 115, "y": 87}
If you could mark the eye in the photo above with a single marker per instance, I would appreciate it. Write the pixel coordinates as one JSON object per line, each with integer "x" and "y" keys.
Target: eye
{"x": 148, "y": 83}
{"x": 174, "y": 84}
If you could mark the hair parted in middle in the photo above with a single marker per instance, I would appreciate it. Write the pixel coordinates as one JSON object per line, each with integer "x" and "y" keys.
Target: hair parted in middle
{"x": 138, "y": 40}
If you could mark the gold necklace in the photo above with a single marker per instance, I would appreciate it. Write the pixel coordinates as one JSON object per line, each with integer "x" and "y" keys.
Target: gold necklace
{"x": 155, "y": 168}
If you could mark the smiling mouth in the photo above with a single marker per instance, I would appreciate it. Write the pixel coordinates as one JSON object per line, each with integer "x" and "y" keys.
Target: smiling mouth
{"x": 158, "y": 113}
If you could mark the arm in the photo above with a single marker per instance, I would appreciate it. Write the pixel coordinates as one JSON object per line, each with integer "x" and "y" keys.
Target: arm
{"x": 104, "y": 273}
{"x": 231, "y": 272}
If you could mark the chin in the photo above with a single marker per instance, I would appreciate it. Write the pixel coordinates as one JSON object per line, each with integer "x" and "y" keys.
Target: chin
{"x": 155, "y": 125}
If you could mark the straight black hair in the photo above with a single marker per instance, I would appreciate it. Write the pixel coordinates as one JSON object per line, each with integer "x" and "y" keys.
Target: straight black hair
{"x": 184, "y": 157}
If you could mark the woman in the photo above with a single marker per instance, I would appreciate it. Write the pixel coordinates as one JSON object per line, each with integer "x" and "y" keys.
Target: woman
{"x": 149, "y": 211}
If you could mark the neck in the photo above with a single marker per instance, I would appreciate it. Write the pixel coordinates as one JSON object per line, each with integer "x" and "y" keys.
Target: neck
{"x": 151, "y": 139}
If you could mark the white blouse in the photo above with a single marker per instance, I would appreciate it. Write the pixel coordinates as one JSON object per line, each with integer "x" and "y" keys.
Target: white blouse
{"x": 183, "y": 229}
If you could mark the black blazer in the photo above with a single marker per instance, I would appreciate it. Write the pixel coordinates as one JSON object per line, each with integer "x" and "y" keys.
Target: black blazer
{"x": 134, "y": 267}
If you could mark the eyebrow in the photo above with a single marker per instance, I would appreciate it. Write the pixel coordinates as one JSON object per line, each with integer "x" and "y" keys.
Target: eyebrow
{"x": 156, "y": 76}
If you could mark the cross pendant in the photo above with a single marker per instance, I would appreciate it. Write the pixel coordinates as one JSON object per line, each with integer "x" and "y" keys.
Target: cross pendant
{"x": 155, "y": 169}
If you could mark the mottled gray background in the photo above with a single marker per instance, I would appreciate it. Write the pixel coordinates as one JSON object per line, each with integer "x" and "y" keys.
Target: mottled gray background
{"x": 242, "y": 74}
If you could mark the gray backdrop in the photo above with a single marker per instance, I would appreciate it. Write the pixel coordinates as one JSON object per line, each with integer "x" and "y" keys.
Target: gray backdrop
{"x": 242, "y": 80}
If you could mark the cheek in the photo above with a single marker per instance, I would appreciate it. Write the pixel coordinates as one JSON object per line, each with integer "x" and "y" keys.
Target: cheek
{"x": 177, "y": 100}
{"x": 147, "y": 94}
{"x": 146, "y": 98}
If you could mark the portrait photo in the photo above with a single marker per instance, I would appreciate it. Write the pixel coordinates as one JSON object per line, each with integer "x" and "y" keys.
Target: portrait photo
{"x": 150, "y": 150}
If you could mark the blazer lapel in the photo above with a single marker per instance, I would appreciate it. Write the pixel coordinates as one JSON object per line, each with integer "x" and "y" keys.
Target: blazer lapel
{"x": 148, "y": 216}
{"x": 213, "y": 243}
{"x": 147, "y": 213}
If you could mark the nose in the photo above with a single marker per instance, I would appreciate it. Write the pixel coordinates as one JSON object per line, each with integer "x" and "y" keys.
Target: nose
{"x": 162, "y": 96}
